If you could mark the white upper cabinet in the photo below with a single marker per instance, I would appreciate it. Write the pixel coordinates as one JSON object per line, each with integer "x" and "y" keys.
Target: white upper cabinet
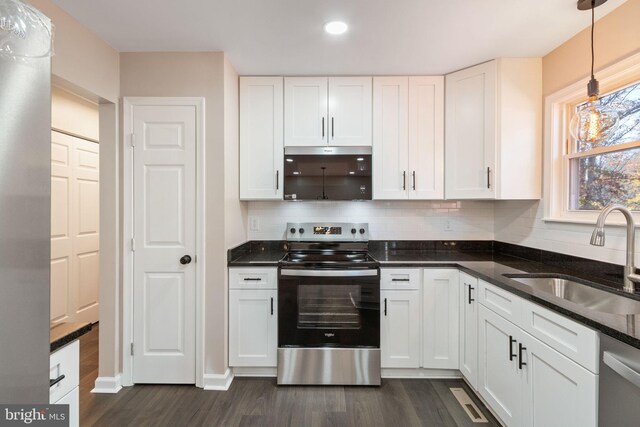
{"x": 408, "y": 138}
{"x": 306, "y": 111}
{"x": 390, "y": 137}
{"x": 494, "y": 130}
{"x": 426, "y": 137}
{"x": 261, "y": 138}
{"x": 321, "y": 111}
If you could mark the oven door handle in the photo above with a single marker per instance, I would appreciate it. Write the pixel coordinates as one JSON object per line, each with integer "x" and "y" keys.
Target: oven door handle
{"x": 329, "y": 273}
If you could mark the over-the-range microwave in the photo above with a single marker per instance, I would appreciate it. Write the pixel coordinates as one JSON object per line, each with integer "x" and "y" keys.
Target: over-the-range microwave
{"x": 327, "y": 173}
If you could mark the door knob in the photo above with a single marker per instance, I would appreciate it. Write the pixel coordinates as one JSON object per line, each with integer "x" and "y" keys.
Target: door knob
{"x": 185, "y": 260}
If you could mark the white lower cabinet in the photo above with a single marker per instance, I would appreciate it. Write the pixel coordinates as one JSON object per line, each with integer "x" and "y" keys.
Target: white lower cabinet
{"x": 400, "y": 314}
{"x": 400, "y": 328}
{"x": 500, "y": 380}
{"x": 469, "y": 328}
{"x": 65, "y": 363}
{"x": 527, "y": 382}
{"x": 253, "y": 320}
{"x": 440, "y": 335}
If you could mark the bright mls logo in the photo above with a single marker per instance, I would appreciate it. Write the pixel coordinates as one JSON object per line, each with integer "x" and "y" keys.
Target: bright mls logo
{"x": 34, "y": 415}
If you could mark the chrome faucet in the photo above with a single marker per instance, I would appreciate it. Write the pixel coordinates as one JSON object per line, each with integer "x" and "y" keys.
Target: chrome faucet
{"x": 597, "y": 239}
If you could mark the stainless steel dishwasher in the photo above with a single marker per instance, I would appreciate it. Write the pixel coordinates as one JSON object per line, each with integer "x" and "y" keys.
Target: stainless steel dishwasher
{"x": 619, "y": 402}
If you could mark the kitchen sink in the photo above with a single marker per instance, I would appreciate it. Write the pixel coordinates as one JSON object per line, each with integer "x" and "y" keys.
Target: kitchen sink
{"x": 571, "y": 289}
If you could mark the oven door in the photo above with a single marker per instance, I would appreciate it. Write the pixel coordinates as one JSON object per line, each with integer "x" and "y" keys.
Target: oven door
{"x": 329, "y": 308}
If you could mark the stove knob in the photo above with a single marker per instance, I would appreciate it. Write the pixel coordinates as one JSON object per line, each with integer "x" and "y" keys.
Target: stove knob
{"x": 301, "y": 231}
{"x": 353, "y": 231}
{"x": 293, "y": 230}
{"x": 362, "y": 231}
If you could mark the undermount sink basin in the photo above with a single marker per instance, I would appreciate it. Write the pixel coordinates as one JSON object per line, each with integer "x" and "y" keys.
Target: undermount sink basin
{"x": 570, "y": 289}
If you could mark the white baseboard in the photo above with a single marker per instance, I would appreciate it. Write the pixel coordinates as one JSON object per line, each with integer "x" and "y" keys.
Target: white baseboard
{"x": 420, "y": 373}
{"x": 220, "y": 382}
{"x": 255, "y": 372}
{"x": 110, "y": 385}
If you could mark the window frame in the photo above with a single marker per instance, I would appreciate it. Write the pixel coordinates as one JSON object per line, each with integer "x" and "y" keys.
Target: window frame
{"x": 559, "y": 108}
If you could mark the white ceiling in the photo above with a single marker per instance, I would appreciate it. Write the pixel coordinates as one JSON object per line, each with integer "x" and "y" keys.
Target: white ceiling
{"x": 385, "y": 36}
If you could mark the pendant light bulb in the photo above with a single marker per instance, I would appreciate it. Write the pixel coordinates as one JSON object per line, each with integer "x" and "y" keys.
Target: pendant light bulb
{"x": 593, "y": 122}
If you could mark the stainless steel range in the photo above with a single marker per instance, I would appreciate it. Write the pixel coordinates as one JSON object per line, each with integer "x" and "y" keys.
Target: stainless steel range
{"x": 328, "y": 306}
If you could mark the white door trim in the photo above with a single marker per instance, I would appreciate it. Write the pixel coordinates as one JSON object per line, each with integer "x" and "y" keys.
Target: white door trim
{"x": 128, "y": 216}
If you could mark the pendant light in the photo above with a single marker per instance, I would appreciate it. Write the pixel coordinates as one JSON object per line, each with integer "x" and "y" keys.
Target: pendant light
{"x": 593, "y": 122}
{"x": 25, "y": 32}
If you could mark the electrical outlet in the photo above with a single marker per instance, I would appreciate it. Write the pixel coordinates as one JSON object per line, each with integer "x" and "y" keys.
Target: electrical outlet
{"x": 254, "y": 224}
{"x": 447, "y": 225}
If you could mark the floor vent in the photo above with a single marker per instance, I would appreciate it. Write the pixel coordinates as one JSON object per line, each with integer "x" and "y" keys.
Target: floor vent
{"x": 467, "y": 404}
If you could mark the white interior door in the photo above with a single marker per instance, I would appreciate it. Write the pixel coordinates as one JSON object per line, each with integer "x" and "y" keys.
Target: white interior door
{"x": 75, "y": 235}
{"x": 164, "y": 227}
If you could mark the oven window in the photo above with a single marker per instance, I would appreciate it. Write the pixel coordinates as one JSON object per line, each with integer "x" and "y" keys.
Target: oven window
{"x": 329, "y": 307}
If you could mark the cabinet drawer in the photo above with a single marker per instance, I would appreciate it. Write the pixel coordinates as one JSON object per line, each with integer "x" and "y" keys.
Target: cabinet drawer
{"x": 400, "y": 278}
{"x": 500, "y": 301}
{"x": 253, "y": 278}
{"x": 577, "y": 342}
{"x": 65, "y": 361}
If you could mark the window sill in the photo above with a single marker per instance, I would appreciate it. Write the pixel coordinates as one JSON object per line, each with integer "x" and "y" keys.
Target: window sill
{"x": 590, "y": 222}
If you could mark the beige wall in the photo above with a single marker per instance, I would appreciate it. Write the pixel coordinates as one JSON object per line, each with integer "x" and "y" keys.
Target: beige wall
{"x": 73, "y": 114}
{"x": 521, "y": 222}
{"x": 617, "y": 35}
{"x": 81, "y": 57}
{"x": 196, "y": 75}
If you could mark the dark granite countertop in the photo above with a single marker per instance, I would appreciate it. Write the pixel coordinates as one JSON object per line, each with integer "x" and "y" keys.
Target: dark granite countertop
{"x": 490, "y": 263}
{"x": 64, "y": 333}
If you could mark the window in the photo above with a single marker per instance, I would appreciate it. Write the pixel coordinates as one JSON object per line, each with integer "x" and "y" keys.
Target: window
{"x": 609, "y": 171}
{"x": 581, "y": 179}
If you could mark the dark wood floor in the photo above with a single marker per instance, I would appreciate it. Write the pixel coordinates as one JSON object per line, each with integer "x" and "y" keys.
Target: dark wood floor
{"x": 259, "y": 402}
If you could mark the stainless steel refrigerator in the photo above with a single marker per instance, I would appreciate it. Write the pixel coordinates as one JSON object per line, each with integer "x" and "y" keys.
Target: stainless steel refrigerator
{"x": 25, "y": 182}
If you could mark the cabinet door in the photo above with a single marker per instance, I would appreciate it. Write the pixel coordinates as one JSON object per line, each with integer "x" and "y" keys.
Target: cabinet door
{"x": 305, "y": 111}
{"x": 499, "y": 379}
{"x": 390, "y": 138}
{"x": 469, "y": 328}
{"x": 471, "y": 132}
{"x": 400, "y": 329}
{"x": 261, "y": 138}
{"x": 253, "y": 328}
{"x": 558, "y": 392}
{"x": 73, "y": 400}
{"x": 426, "y": 138}
{"x": 441, "y": 305}
{"x": 350, "y": 111}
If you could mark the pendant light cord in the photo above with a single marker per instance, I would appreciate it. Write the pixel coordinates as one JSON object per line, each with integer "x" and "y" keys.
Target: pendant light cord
{"x": 593, "y": 22}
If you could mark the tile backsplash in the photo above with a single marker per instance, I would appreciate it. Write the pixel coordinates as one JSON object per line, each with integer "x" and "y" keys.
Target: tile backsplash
{"x": 388, "y": 220}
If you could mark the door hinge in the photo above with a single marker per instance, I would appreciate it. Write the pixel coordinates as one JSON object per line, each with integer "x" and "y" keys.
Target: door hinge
{"x": 133, "y": 140}
{"x": 132, "y": 349}
{"x": 133, "y": 245}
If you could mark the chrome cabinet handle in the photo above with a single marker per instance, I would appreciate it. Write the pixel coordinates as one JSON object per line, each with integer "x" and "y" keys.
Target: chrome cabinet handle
{"x": 323, "y": 128}
{"x": 414, "y": 180}
{"x": 277, "y": 180}
{"x": 488, "y": 177}
{"x": 404, "y": 180}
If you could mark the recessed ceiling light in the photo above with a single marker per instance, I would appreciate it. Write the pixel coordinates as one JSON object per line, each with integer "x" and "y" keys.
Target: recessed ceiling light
{"x": 296, "y": 173}
{"x": 360, "y": 159}
{"x": 336, "y": 27}
{"x": 289, "y": 160}
{"x": 352, "y": 173}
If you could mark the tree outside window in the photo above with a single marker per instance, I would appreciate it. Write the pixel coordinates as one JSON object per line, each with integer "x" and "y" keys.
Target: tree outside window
{"x": 609, "y": 171}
